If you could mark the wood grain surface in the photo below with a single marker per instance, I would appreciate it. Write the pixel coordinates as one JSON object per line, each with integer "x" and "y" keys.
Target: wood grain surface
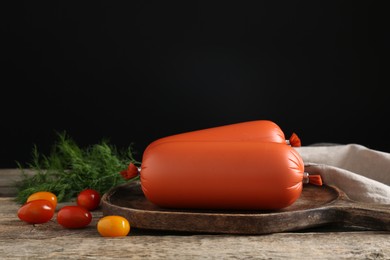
{"x": 19, "y": 240}
{"x": 316, "y": 207}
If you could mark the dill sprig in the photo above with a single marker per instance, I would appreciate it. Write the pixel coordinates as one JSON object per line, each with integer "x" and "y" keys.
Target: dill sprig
{"x": 69, "y": 169}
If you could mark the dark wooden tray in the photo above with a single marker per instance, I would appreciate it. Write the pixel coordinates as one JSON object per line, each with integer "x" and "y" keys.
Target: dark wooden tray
{"x": 317, "y": 206}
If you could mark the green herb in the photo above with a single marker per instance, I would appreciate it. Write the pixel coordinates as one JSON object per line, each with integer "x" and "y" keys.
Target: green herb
{"x": 69, "y": 169}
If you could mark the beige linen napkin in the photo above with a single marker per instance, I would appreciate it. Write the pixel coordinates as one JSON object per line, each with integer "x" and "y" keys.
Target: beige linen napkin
{"x": 362, "y": 173}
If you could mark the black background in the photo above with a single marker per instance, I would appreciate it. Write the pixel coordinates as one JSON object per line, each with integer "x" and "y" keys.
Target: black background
{"x": 135, "y": 71}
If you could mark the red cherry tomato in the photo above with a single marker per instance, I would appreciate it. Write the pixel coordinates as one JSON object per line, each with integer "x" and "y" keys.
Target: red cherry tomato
{"x": 36, "y": 212}
{"x": 89, "y": 199}
{"x": 74, "y": 217}
{"x": 44, "y": 195}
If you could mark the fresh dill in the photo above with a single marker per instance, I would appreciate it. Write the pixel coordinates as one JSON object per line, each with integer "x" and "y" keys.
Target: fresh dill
{"x": 69, "y": 169}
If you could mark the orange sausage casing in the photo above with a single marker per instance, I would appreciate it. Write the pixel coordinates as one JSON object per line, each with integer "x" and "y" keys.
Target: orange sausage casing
{"x": 222, "y": 175}
{"x": 257, "y": 130}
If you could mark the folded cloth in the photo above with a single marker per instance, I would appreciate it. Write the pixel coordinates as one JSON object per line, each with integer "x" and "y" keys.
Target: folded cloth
{"x": 362, "y": 173}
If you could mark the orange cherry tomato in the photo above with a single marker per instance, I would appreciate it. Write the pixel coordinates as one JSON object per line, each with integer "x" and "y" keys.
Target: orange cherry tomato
{"x": 74, "y": 217}
{"x": 44, "y": 195}
{"x": 113, "y": 226}
{"x": 89, "y": 199}
{"x": 36, "y": 212}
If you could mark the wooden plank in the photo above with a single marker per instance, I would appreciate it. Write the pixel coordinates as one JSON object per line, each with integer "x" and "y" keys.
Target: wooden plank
{"x": 19, "y": 240}
{"x": 8, "y": 179}
{"x": 317, "y": 206}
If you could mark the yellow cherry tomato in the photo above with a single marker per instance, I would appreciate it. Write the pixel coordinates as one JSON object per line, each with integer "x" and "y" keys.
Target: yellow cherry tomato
{"x": 113, "y": 226}
{"x": 44, "y": 195}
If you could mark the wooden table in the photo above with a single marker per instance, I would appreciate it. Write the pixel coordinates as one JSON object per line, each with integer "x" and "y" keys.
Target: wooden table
{"x": 19, "y": 240}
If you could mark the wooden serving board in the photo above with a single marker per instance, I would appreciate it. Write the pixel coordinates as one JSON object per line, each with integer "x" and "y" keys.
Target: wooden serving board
{"x": 317, "y": 206}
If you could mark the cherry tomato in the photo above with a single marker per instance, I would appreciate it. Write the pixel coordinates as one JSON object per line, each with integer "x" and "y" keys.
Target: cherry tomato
{"x": 89, "y": 199}
{"x": 130, "y": 172}
{"x": 113, "y": 226}
{"x": 36, "y": 212}
{"x": 44, "y": 195}
{"x": 74, "y": 217}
